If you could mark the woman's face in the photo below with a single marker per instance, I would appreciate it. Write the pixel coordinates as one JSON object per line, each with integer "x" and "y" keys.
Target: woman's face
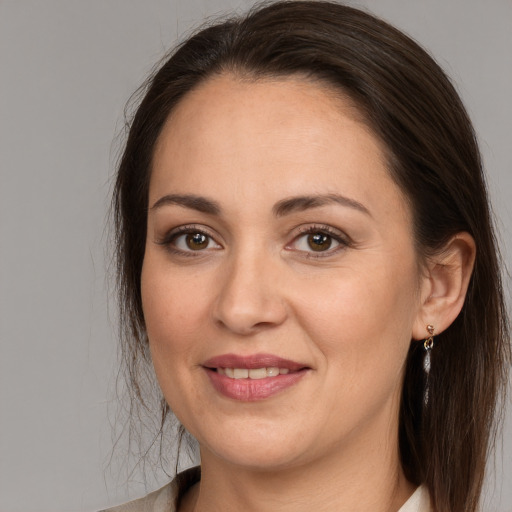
{"x": 280, "y": 282}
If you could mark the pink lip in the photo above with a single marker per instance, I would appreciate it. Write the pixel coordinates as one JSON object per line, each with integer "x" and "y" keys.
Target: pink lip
{"x": 252, "y": 362}
{"x": 250, "y": 390}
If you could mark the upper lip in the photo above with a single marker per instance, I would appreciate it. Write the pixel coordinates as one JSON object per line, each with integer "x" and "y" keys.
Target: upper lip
{"x": 252, "y": 362}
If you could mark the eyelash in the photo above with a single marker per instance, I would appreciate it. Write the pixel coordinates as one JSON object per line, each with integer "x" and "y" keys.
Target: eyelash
{"x": 343, "y": 240}
{"x": 173, "y": 235}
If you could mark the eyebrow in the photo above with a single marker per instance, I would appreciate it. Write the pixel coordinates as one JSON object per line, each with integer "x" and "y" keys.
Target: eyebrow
{"x": 280, "y": 209}
{"x": 301, "y": 203}
{"x": 199, "y": 203}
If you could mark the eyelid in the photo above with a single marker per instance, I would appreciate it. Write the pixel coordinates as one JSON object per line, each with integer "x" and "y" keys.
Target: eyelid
{"x": 342, "y": 239}
{"x": 168, "y": 239}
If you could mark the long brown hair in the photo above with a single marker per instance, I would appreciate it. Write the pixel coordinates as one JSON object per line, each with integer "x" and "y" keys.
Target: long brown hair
{"x": 411, "y": 105}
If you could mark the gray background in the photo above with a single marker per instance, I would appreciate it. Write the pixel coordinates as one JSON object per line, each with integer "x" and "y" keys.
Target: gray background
{"x": 66, "y": 70}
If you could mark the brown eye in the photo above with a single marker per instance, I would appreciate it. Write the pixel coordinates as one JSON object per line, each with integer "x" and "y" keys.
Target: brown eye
{"x": 319, "y": 242}
{"x": 192, "y": 241}
{"x": 196, "y": 241}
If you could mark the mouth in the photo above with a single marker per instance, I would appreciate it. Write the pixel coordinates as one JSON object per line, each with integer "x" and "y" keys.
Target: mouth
{"x": 252, "y": 378}
{"x": 253, "y": 373}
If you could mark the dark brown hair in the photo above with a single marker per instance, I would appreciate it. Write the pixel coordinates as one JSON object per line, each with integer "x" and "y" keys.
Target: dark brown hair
{"x": 411, "y": 105}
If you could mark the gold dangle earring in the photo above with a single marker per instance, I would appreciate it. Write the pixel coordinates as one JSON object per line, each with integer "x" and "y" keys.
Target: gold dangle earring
{"x": 428, "y": 345}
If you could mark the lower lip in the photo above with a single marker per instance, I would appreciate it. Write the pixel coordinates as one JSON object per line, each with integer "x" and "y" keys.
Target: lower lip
{"x": 251, "y": 390}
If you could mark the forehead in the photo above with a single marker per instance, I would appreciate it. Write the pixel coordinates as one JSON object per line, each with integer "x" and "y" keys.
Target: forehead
{"x": 231, "y": 105}
{"x": 278, "y": 137}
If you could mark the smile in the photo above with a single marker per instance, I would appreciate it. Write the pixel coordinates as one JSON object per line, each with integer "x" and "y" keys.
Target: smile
{"x": 253, "y": 378}
{"x": 253, "y": 373}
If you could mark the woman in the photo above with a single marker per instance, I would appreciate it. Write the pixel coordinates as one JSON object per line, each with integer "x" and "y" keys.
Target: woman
{"x": 306, "y": 255}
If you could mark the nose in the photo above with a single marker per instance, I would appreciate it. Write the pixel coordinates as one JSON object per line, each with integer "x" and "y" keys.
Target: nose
{"x": 250, "y": 298}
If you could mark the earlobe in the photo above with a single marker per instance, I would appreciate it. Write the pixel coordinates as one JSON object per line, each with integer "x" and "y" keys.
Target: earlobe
{"x": 444, "y": 287}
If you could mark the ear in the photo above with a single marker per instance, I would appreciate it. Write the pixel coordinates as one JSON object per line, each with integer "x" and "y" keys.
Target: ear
{"x": 444, "y": 285}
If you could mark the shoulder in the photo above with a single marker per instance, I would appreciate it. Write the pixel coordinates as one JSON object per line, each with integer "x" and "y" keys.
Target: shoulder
{"x": 165, "y": 499}
{"x": 157, "y": 501}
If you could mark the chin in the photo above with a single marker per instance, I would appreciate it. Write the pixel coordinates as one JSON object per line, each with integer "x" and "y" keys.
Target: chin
{"x": 269, "y": 448}
{"x": 268, "y": 460}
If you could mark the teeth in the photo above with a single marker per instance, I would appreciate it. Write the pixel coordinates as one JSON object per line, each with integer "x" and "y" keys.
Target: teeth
{"x": 273, "y": 371}
{"x": 259, "y": 373}
{"x": 253, "y": 373}
{"x": 240, "y": 373}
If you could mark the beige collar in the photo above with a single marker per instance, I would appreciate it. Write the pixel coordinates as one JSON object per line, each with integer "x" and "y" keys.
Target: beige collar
{"x": 418, "y": 502}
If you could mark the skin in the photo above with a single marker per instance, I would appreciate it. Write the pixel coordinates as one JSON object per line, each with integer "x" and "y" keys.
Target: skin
{"x": 348, "y": 312}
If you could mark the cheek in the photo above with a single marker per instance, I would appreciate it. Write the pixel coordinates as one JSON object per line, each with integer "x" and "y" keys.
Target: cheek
{"x": 170, "y": 313}
{"x": 362, "y": 321}
{"x": 173, "y": 306}
{"x": 363, "y": 333}
{"x": 173, "y": 325}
